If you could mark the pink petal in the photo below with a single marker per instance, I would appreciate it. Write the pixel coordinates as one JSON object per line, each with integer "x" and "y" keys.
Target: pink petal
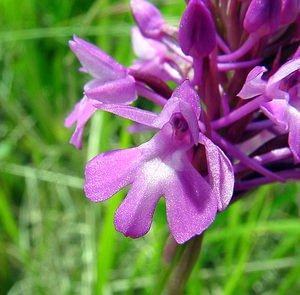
{"x": 81, "y": 113}
{"x": 146, "y": 48}
{"x": 109, "y": 172}
{"x": 187, "y": 93}
{"x": 76, "y": 138}
{"x": 73, "y": 116}
{"x": 284, "y": 71}
{"x": 277, "y": 111}
{"x": 134, "y": 216}
{"x": 132, "y": 113}
{"x": 120, "y": 91}
{"x": 220, "y": 171}
{"x": 191, "y": 206}
{"x": 95, "y": 61}
{"x": 254, "y": 84}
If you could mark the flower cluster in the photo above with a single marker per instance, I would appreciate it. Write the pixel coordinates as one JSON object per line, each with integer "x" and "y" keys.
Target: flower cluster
{"x": 232, "y": 123}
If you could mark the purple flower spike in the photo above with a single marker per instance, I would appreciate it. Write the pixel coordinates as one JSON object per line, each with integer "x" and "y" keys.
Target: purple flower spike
{"x": 263, "y": 16}
{"x": 162, "y": 167}
{"x": 197, "y": 32}
{"x": 148, "y": 18}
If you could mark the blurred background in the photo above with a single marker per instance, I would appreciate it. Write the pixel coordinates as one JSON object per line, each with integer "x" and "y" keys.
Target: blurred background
{"x": 54, "y": 240}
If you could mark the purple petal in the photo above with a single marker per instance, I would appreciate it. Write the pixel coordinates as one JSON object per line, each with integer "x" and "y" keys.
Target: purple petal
{"x": 187, "y": 93}
{"x": 146, "y": 48}
{"x": 76, "y": 138}
{"x": 132, "y": 113}
{"x": 148, "y": 18}
{"x": 254, "y": 84}
{"x": 81, "y": 113}
{"x": 191, "y": 206}
{"x": 99, "y": 64}
{"x": 284, "y": 71}
{"x": 109, "y": 172}
{"x": 277, "y": 111}
{"x": 120, "y": 91}
{"x": 134, "y": 216}
{"x": 73, "y": 116}
{"x": 220, "y": 171}
{"x": 197, "y": 32}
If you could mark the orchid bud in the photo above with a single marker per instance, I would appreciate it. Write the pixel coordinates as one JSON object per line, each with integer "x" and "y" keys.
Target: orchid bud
{"x": 197, "y": 32}
{"x": 148, "y": 18}
{"x": 263, "y": 16}
{"x": 289, "y": 11}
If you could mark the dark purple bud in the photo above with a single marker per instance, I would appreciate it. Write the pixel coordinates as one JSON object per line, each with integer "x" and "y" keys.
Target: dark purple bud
{"x": 263, "y": 16}
{"x": 197, "y": 32}
{"x": 148, "y": 18}
{"x": 289, "y": 11}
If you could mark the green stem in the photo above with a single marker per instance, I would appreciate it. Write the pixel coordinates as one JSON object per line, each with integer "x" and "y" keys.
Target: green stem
{"x": 184, "y": 267}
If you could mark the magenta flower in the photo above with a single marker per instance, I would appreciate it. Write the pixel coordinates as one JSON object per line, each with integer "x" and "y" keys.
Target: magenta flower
{"x": 111, "y": 84}
{"x": 163, "y": 167}
{"x": 276, "y": 100}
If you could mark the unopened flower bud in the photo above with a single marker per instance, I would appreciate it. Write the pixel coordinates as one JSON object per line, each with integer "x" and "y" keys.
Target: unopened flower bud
{"x": 289, "y": 11}
{"x": 263, "y": 16}
{"x": 148, "y": 18}
{"x": 197, "y": 32}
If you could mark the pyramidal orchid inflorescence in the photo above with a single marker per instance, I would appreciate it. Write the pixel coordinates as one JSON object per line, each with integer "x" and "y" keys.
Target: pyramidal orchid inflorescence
{"x": 230, "y": 124}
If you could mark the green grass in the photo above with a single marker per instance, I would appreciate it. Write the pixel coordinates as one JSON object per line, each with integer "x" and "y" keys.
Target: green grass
{"x": 53, "y": 239}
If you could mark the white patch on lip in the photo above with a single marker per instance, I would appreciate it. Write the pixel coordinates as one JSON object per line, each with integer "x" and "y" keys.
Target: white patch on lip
{"x": 156, "y": 170}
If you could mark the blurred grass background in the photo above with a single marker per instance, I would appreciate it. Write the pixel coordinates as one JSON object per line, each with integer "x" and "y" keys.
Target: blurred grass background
{"x": 54, "y": 240}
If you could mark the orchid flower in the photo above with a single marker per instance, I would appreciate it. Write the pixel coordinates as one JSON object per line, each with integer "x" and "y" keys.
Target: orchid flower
{"x": 163, "y": 167}
{"x": 111, "y": 84}
{"x": 275, "y": 104}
